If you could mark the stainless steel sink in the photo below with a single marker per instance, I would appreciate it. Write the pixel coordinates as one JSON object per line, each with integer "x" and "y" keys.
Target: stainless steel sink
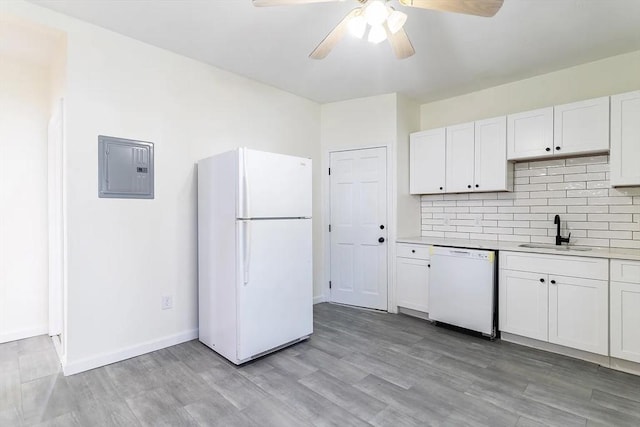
{"x": 554, "y": 247}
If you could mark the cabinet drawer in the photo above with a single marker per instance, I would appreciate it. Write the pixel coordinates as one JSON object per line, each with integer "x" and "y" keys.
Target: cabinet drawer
{"x": 625, "y": 271}
{"x": 589, "y": 268}
{"x": 405, "y": 250}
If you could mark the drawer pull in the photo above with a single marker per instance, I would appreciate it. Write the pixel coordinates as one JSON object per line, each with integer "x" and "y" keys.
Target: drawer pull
{"x": 413, "y": 251}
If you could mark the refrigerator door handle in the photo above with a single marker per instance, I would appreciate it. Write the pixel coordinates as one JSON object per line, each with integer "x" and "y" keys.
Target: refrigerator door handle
{"x": 246, "y": 248}
{"x": 245, "y": 186}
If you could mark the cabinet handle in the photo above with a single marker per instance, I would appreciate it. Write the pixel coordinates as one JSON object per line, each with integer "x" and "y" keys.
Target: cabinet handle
{"x": 441, "y": 188}
{"x": 547, "y": 149}
{"x": 558, "y": 148}
{"x": 541, "y": 280}
{"x": 468, "y": 186}
{"x": 413, "y": 251}
{"x": 553, "y": 282}
{"x": 477, "y": 185}
{"x": 428, "y": 265}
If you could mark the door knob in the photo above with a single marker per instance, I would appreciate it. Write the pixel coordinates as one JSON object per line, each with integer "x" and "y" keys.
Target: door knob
{"x": 381, "y": 240}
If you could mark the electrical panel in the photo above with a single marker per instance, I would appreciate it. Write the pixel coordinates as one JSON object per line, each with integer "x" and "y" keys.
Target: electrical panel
{"x": 125, "y": 168}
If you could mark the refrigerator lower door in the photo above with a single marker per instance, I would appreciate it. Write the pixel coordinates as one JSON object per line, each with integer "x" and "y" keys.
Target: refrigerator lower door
{"x": 273, "y": 185}
{"x": 275, "y": 286}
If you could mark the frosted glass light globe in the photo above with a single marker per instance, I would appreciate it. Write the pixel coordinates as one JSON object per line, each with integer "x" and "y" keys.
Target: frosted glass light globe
{"x": 376, "y": 13}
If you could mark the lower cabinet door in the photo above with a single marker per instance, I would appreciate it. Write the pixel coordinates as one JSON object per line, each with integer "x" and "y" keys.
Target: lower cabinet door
{"x": 524, "y": 304}
{"x": 579, "y": 313}
{"x": 625, "y": 321}
{"x": 412, "y": 283}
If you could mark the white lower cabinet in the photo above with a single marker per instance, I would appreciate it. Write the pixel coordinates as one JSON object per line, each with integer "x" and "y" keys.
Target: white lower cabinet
{"x": 412, "y": 277}
{"x": 547, "y": 306}
{"x": 524, "y": 304}
{"x": 579, "y": 313}
{"x": 625, "y": 310}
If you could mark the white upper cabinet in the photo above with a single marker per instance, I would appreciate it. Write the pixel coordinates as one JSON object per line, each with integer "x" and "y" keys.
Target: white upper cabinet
{"x": 492, "y": 171}
{"x": 427, "y": 162}
{"x": 460, "y": 158}
{"x": 625, "y": 139}
{"x": 576, "y": 128}
{"x": 530, "y": 134}
{"x": 581, "y": 127}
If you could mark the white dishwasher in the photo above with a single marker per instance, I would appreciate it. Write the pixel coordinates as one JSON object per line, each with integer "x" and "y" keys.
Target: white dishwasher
{"x": 462, "y": 285}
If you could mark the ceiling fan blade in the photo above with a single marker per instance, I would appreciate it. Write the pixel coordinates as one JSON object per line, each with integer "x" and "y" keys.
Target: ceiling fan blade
{"x": 486, "y": 8}
{"x": 400, "y": 43}
{"x": 333, "y": 37}
{"x": 260, "y": 3}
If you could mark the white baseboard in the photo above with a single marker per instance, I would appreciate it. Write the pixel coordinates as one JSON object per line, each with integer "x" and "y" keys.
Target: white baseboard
{"x": 318, "y": 299}
{"x": 23, "y": 333}
{"x": 103, "y": 359}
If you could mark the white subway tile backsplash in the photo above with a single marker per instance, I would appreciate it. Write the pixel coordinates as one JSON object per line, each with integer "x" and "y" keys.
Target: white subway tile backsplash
{"x": 598, "y": 168}
{"x": 587, "y": 160}
{"x": 588, "y": 193}
{"x": 626, "y": 235}
{"x": 567, "y": 170}
{"x": 611, "y": 201}
{"x": 587, "y": 209}
{"x": 530, "y": 202}
{"x": 546, "y": 163}
{"x": 611, "y": 217}
{"x": 577, "y": 189}
{"x": 630, "y": 226}
{"x": 576, "y": 185}
{"x": 546, "y": 179}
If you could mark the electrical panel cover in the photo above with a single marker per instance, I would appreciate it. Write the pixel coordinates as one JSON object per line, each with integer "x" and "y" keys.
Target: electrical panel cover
{"x": 125, "y": 168}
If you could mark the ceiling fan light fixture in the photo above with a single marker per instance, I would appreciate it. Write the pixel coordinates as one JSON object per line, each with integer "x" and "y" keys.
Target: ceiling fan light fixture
{"x": 358, "y": 26}
{"x": 376, "y": 13}
{"x": 396, "y": 21}
{"x": 377, "y": 34}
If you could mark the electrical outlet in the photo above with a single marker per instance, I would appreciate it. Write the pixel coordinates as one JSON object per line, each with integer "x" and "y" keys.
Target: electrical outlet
{"x": 167, "y": 302}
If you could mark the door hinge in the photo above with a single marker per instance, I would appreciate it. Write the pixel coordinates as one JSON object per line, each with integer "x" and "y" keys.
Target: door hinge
{"x": 329, "y": 228}
{"x": 329, "y": 171}
{"x": 329, "y": 284}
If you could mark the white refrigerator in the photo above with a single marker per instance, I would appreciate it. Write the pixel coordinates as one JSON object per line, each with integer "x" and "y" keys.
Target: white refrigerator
{"x": 254, "y": 252}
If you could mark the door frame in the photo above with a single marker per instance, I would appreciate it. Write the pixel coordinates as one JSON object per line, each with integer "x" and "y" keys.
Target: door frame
{"x": 391, "y": 221}
{"x": 57, "y": 221}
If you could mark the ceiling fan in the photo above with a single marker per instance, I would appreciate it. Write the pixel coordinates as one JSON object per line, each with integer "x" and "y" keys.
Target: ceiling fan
{"x": 384, "y": 22}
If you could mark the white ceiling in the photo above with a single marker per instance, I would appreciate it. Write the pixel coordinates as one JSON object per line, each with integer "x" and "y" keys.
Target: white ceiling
{"x": 455, "y": 53}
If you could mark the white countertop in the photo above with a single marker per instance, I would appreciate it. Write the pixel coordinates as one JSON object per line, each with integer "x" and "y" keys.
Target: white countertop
{"x": 617, "y": 253}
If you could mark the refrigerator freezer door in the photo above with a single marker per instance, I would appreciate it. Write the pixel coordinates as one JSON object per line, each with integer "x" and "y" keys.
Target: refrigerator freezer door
{"x": 275, "y": 289}
{"x": 273, "y": 185}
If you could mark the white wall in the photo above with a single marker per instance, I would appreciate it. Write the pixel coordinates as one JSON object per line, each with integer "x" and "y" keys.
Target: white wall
{"x": 384, "y": 120}
{"x": 608, "y": 76}
{"x": 123, "y": 255}
{"x": 24, "y": 114}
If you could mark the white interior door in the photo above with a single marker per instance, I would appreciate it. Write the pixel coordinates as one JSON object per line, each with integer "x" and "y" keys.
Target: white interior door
{"x": 275, "y": 290}
{"x": 359, "y": 227}
{"x": 56, "y": 221}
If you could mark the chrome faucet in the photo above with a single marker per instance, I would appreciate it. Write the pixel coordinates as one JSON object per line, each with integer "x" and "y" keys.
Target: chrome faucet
{"x": 559, "y": 238}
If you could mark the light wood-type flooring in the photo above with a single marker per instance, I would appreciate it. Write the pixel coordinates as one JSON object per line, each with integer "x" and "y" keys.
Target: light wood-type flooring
{"x": 359, "y": 368}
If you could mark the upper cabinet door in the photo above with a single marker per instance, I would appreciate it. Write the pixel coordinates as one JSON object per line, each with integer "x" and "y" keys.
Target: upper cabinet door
{"x": 530, "y": 134}
{"x": 492, "y": 172}
{"x": 582, "y": 127}
{"x": 427, "y": 162}
{"x": 625, "y": 139}
{"x": 460, "y": 158}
